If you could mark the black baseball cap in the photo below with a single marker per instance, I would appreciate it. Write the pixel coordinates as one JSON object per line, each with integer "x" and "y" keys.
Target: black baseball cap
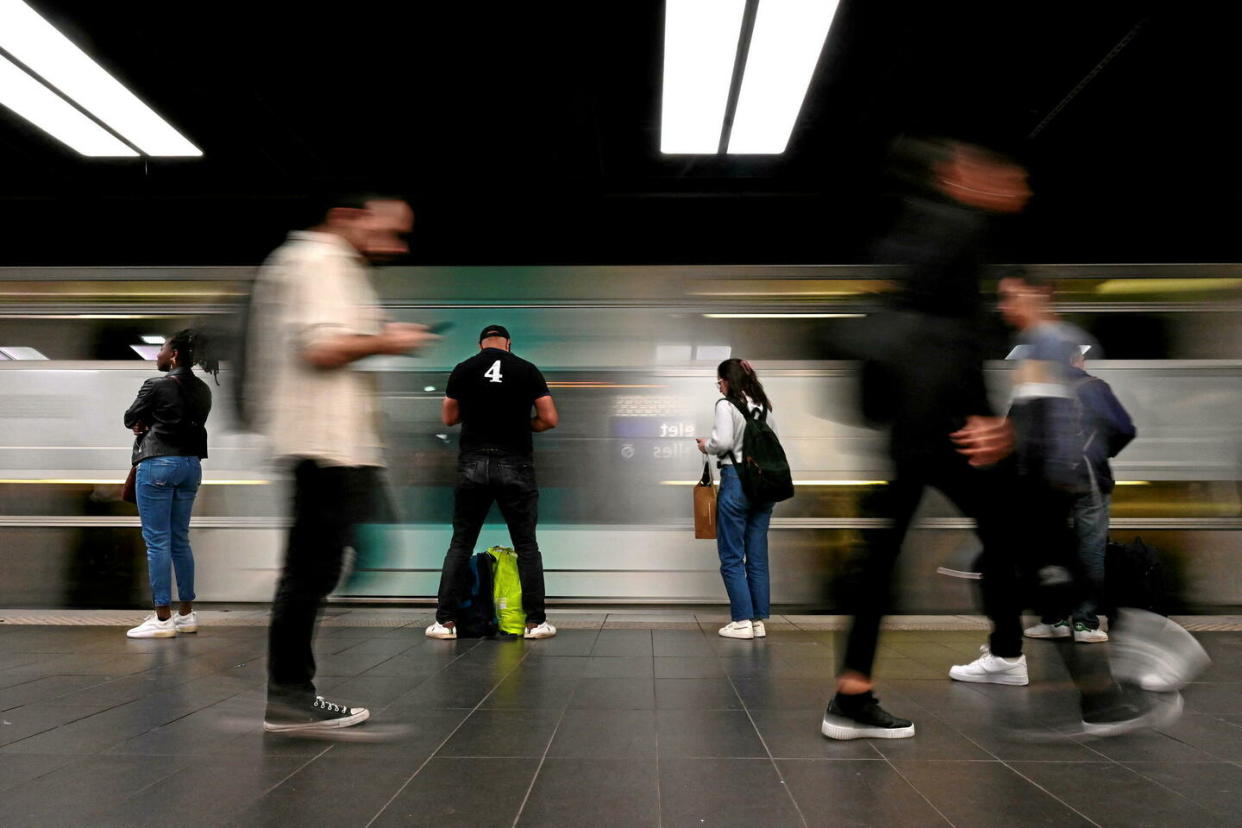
{"x": 494, "y": 330}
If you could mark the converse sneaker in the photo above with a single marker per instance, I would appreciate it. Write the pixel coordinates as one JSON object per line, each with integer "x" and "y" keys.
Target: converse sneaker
{"x": 990, "y": 669}
{"x": 1085, "y": 635}
{"x": 760, "y": 630}
{"x": 544, "y": 630}
{"x": 861, "y": 717}
{"x": 185, "y": 623}
{"x": 738, "y": 629}
{"x": 320, "y": 714}
{"x": 443, "y": 631}
{"x": 1057, "y": 629}
{"x": 153, "y": 627}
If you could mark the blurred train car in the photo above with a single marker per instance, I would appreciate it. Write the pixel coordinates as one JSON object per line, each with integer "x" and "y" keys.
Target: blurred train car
{"x": 630, "y": 354}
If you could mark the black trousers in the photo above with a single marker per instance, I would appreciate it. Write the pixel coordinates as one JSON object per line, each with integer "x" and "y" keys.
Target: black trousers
{"x": 328, "y": 502}
{"x": 484, "y": 477}
{"x": 978, "y": 494}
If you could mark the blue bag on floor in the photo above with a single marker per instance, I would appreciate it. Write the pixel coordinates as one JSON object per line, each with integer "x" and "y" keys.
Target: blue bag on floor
{"x": 476, "y": 616}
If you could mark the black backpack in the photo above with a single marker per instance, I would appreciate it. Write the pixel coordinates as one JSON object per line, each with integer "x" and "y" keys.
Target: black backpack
{"x": 763, "y": 470}
{"x": 476, "y": 616}
{"x": 1133, "y": 577}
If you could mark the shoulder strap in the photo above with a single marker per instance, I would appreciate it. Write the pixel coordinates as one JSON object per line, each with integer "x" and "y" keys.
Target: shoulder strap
{"x": 743, "y": 410}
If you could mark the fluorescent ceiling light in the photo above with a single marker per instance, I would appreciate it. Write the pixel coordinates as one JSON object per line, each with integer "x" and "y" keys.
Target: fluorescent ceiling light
{"x": 55, "y": 116}
{"x": 153, "y": 339}
{"x": 147, "y": 352}
{"x": 700, "y": 46}
{"x": 15, "y": 352}
{"x": 35, "y": 42}
{"x": 784, "y": 48}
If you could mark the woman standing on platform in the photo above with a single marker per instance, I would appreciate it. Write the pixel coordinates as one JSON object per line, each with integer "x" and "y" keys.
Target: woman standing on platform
{"x": 741, "y": 527}
{"x": 168, "y": 418}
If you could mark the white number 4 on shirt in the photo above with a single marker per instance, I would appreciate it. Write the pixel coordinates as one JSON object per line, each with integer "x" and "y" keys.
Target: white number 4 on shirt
{"x": 493, "y": 372}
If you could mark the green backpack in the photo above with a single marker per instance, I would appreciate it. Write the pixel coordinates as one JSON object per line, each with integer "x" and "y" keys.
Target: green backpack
{"x": 508, "y": 591}
{"x": 762, "y": 469}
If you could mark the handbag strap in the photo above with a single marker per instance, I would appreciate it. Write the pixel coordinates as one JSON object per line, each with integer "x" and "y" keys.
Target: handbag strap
{"x": 706, "y": 479}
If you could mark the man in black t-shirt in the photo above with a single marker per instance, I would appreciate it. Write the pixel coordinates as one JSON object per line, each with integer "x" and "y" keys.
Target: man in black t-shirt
{"x": 491, "y": 395}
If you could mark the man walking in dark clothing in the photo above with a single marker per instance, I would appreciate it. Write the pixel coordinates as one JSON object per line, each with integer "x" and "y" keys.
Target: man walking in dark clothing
{"x": 925, "y": 379}
{"x": 491, "y": 395}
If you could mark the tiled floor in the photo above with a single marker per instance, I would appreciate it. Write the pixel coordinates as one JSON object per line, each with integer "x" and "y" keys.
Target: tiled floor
{"x": 607, "y": 725}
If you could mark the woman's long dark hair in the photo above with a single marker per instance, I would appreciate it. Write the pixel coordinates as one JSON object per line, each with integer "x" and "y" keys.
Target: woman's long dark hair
{"x": 743, "y": 382}
{"x": 194, "y": 348}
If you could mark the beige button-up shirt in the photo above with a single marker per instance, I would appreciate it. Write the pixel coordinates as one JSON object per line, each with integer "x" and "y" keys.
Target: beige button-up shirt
{"x": 313, "y": 287}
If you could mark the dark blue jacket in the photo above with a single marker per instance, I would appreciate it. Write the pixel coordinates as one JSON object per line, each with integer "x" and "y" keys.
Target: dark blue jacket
{"x": 1106, "y": 426}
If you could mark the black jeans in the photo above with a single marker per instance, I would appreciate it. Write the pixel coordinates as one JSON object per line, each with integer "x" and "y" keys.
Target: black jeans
{"x": 509, "y": 480}
{"x": 328, "y": 501}
{"x": 979, "y": 494}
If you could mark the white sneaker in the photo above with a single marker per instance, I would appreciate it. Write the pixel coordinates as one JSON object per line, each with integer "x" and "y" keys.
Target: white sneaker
{"x": 760, "y": 630}
{"x": 1059, "y": 629}
{"x": 544, "y": 630}
{"x": 1085, "y": 635}
{"x": 1155, "y": 653}
{"x": 185, "y": 623}
{"x": 438, "y": 630}
{"x": 738, "y": 629}
{"x": 990, "y": 669}
{"x": 153, "y": 627}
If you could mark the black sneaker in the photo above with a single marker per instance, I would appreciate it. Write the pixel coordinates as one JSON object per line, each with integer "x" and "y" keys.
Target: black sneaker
{"x": 319, "y": 714}
{"x": 863, "y": 718}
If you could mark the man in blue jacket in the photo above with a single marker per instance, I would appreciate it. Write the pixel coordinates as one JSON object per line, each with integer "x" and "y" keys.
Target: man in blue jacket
{"x": 1107, "y": 429}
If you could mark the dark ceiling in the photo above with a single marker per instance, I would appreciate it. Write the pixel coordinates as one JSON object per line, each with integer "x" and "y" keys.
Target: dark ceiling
{"x": 529, "y": 133}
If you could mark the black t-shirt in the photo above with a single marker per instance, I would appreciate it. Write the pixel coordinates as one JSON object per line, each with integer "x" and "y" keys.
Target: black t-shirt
{"x": 495, "y": 390}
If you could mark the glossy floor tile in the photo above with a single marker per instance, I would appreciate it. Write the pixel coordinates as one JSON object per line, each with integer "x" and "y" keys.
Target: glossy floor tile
{"x": 607, "y": 724}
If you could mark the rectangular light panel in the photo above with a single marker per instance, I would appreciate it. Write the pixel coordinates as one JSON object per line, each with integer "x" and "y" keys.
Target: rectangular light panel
{"x": 153, "y": 339}
{"x": 20, "y": 352}
{"x": 55, "y": 116}
{"x": 700, "y": 45}
{"x": 35, "y": 42}
{"x": 784, "y": 48}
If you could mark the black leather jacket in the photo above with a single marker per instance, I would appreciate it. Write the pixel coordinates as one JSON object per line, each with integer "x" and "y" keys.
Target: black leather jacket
{"x": 174, "y": 408}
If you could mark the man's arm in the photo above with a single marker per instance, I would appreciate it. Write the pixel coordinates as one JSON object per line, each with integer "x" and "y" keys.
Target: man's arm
{"x": 545, "y": 414}
{"x": 450, "y": 412}
{"x": 338, "y": 351}
{"x": 1099, "y": 398}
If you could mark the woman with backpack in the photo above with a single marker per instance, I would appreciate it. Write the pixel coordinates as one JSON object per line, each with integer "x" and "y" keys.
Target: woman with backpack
{"x": 741, "y": 526}
{"x": 168, "y": 417}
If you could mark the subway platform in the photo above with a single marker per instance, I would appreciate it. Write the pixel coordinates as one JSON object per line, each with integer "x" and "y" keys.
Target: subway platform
{"x": 625, "y": 718}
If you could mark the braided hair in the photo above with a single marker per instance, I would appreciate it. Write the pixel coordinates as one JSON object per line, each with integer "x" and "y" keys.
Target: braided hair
{"x": 743, "y": 382}
{"x": 194, "y": 348}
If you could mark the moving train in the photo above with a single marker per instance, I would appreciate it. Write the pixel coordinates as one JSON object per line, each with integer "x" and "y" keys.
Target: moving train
{"x": 630, "y": 354}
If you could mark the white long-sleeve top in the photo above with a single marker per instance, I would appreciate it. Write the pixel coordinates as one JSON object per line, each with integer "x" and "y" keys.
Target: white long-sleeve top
{"x": 728, "y": 427}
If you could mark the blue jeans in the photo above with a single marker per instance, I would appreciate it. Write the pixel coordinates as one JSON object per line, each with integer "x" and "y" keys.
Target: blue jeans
{"x": 1091, "y": 527}
{"x": 742, "y": 542}
{"x": 166, "y": 487}
{"x": 1090, "y": 519}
